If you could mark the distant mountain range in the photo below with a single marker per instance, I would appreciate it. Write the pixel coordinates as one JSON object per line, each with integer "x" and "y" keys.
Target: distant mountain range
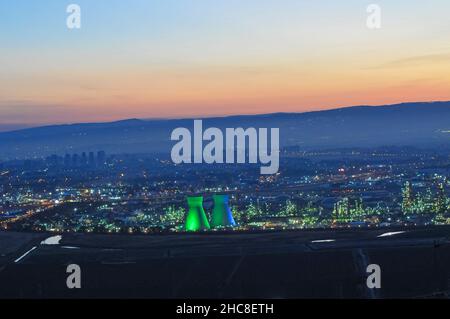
{"x": 424, "y": 125}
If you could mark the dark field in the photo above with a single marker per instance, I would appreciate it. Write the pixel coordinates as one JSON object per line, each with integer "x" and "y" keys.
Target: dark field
{"x": 415, "y": 263}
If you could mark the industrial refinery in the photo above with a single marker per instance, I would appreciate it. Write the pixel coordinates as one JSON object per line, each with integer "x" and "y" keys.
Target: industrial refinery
{"x": 221, "y": 217}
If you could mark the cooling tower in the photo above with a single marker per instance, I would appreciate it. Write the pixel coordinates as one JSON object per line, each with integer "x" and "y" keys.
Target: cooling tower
{"x": 196, "y": 218}
{"x": 222, "y": 216}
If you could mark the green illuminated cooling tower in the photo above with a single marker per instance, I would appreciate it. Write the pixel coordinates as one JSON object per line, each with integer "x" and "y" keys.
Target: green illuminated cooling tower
{"x": 196, "y": 218}
{"x": 222, "y": 216}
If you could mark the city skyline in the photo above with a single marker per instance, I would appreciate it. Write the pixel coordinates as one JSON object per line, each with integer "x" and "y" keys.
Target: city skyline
{"x": 177, "y": 59}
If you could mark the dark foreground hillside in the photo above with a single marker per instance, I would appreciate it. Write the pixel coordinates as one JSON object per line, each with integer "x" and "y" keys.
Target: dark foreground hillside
{"x": 302, "y": 264}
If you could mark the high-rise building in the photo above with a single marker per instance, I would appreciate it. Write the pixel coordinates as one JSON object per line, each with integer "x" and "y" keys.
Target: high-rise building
{"x": 84, "y": 159}
{"x": 101, "y": 158}
{"x": 222, "y": 215}
{"x": 67, "y": 160}
{"x": 91, "y": 159}
{"x": 75, "y": 160}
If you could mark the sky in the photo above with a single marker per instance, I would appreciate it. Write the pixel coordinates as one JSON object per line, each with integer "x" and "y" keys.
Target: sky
{"x": 200, "y": 58}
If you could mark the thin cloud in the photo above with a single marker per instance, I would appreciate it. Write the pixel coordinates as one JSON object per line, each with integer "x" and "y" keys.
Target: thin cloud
{"x": 415, "y": 61}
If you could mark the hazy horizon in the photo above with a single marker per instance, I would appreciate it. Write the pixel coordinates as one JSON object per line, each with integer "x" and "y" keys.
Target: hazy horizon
{"x": 9, "y": 127}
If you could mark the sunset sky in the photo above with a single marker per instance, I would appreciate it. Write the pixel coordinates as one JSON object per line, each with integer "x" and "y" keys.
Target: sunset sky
{"x": 180, "y": 58}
